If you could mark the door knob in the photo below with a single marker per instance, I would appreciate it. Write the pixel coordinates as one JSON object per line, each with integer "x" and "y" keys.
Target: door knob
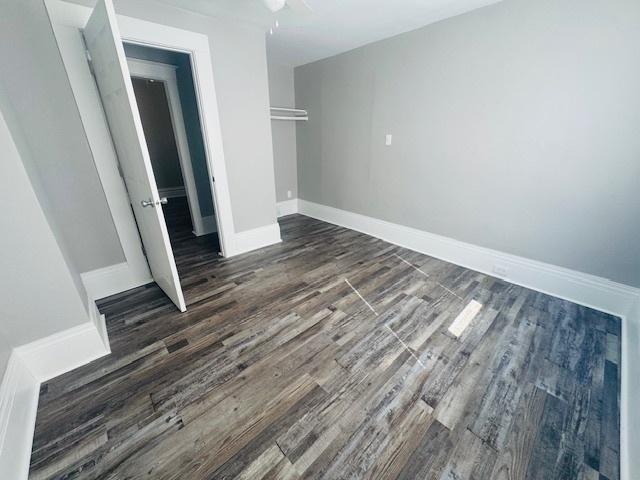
{"x": 151, "y": 203}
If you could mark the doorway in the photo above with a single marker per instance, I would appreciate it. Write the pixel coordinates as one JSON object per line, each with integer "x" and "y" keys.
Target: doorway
{"x": 164, "y": 90}
{"x": 91, "y": 44}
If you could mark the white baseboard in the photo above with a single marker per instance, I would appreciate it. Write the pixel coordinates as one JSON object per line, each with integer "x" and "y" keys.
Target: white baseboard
{"x": 630, "y": 395}
{"x": 584, "y": 289}
{"x": 254, "y": 239}
{"x": 172, "y": 192}
{"x": 29, "y": 366}
{"x": 110, "y": 280}
{"x": 64, "y": 351}
{"x": 288, "y": 207}
{"x": 19, "y": 393}
{"x": 100, "y": 323}
{"x": 208, "y": 226}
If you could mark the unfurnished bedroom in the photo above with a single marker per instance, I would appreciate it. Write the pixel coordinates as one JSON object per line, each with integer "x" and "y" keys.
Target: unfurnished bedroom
{"x": 320, "y": 239}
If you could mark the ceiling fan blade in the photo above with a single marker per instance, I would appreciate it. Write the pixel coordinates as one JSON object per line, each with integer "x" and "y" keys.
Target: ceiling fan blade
{"x": 299, "y": 7}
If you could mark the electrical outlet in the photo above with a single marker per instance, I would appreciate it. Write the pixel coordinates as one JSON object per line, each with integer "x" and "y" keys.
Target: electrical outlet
{"x": 388, "y": 139}
{"x": 288, "y": 193}
{"x": 500, "y": 270}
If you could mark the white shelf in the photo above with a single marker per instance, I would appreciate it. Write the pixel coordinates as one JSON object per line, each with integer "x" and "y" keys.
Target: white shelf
{"x": 286, "y": 113}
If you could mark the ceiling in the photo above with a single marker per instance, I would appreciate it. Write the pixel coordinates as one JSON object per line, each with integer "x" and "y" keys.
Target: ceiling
{"x": 336, "y": 26}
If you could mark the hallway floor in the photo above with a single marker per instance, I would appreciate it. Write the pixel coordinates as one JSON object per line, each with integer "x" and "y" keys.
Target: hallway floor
{"x": 183, "y": 241}
{"x": 337, "y": 355}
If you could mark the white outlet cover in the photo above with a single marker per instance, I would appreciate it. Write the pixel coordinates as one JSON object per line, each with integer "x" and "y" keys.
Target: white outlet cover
{"x": 501, "y": 270}
{"x": 388, "y": 139}
{"x": 288, "y": 193}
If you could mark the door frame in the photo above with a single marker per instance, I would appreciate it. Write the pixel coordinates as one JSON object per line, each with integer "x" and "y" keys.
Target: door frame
{"x": 142, "y": 32}
{"x": 166, "y": 74}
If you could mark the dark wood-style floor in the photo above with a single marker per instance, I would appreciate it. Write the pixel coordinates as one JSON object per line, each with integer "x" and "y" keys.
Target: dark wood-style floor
{"x": 280, "y": 369}
{"x": 180, "y": 227}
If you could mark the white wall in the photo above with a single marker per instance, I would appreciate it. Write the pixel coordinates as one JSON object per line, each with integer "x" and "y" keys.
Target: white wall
{"x": 515, "y": 127}
{"x": 45, "y": 123}
{"x": 45, "y": 327}
{"x": 285, "y": 161}
{"x": 39, "y": 295}
{"x": 5, "y": 353}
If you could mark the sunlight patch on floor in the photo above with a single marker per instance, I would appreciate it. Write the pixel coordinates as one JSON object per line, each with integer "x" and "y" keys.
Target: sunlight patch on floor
{"x": 464, "y": 319}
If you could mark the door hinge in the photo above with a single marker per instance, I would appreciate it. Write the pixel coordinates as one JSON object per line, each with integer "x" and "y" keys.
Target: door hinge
{"x": 90, "y": 62}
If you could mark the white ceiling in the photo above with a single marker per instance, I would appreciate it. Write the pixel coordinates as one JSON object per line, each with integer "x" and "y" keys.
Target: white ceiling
{"x": 336, "y": 26}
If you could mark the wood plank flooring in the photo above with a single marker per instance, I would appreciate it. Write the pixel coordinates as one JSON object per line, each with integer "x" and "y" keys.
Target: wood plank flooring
{"x": 330, "y": 356}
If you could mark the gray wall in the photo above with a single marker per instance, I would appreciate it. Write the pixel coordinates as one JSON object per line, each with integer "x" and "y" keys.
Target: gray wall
{"x": 238, "y": 55}
{"x": 5, "y": 353}
{"x": 190, "y": 113}
{"x": 39, "y": 294}
{"x": 153, "y": 105}
{"x": 515, "y": 128}
{"x": 282, "y": 94}
{"x": 44, "y": 120}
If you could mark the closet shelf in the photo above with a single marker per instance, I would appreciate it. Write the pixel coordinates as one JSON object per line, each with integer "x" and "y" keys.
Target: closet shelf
{"x": 286, "y": 113}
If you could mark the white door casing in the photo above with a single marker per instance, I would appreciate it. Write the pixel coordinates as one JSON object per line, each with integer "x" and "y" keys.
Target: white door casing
{"x": 134, "y": 30}
{"x": 104, "y": 44}
{"x": 167, "y": 75}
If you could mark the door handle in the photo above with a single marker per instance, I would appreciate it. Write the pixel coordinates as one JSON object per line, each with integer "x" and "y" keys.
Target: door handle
{"x": 151, "y": 203}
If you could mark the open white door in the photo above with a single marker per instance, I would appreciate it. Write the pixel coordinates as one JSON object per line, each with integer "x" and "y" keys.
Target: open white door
{"x": 109, "y": 63}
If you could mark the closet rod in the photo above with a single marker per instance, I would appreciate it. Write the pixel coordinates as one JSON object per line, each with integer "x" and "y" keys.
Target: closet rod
{"x": 283, "y": 117}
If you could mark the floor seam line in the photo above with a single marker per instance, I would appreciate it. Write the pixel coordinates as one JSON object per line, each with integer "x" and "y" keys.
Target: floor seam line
{"x": 428, "y": 276}
{"x": 405, "y": 346}
{"x": 484, "y": 442}
{"x": 281, "y": 450}
{"x": 361, "y": 297}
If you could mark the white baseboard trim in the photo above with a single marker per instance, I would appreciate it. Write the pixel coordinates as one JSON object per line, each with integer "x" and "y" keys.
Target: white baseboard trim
{"x": 172, "y": 192}
{"x": 99, "y": 321}
{"x": 64, "y": 351}
{"x": 630, "y": 395}
{"x": 208, "y": 226}
{"x": 29, "y": 366}
{"x": 249, "y": 240}
{"x": 288, "y": 207}
{"x": 110, "y": 280}
{"x": 584, "y": 289}
{"x": 19, "y": 393}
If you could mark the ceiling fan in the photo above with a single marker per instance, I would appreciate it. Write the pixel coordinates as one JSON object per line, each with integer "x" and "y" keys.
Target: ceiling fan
{"x": 296, "y": 6}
